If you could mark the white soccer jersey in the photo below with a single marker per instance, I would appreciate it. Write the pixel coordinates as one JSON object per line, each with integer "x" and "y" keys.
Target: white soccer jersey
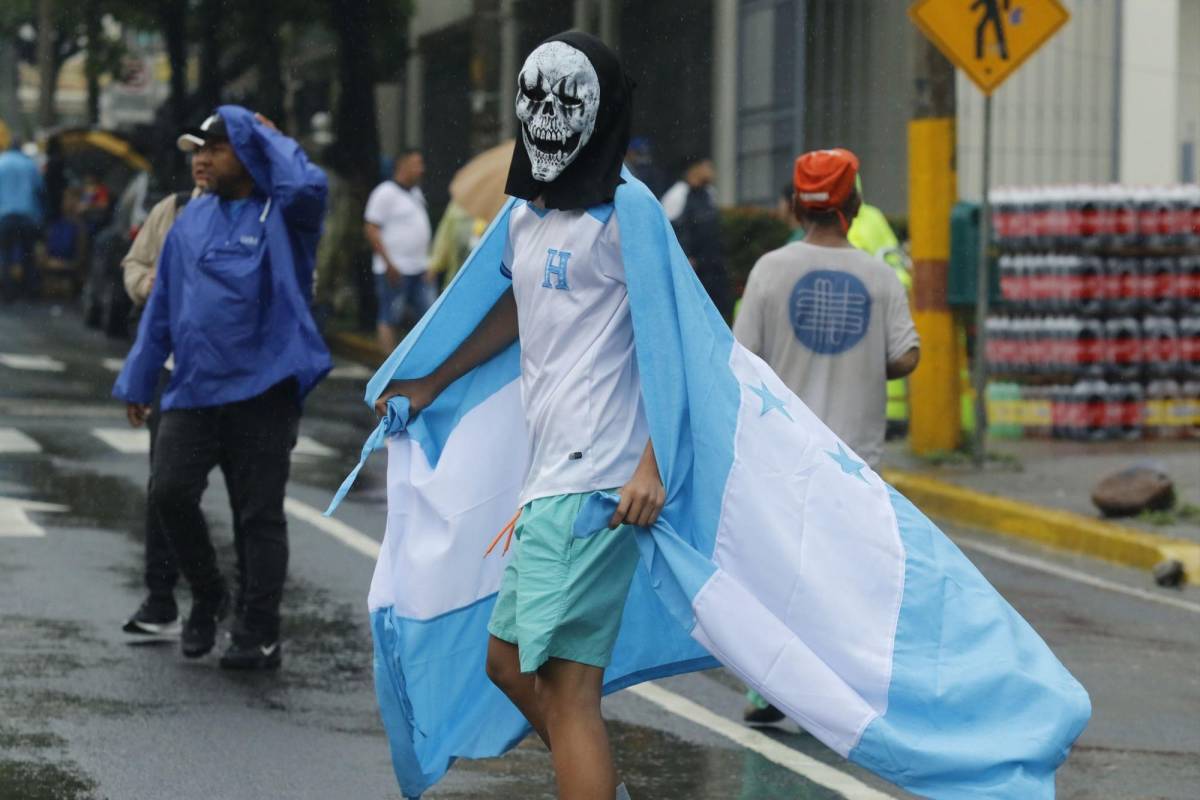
{"x": 579, "y": 376}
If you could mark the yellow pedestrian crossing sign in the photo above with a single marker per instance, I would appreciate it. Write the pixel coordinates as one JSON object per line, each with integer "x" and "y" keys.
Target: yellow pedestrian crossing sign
{"x": 988, "y": 39}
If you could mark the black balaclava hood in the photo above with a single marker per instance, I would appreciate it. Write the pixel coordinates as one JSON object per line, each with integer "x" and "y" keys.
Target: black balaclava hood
{"x": 593, "y": 176}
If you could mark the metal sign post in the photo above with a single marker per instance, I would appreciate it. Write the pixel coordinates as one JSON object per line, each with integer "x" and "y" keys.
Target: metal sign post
{"x": 979, "y": 376}
{"x": 988, "y": 40}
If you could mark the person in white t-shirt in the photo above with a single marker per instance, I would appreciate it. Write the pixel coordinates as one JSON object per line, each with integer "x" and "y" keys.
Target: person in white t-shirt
{"x": 556, "y": 617}
{"x": 397, "y": 226}
{"x": 831, "y": 320}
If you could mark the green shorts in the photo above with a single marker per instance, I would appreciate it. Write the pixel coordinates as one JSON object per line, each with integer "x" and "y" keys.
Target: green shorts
{"x": 562, "y": 596}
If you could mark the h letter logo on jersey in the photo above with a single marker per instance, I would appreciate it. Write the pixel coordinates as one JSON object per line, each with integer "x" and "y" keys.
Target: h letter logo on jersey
{"x": 556, "y": 265}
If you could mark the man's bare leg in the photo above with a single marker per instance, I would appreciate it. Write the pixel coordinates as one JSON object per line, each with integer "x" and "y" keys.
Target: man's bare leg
{"x": 569, "y": 696}
{"x": 504, "y": 669}
{"x": 385, "y": 337}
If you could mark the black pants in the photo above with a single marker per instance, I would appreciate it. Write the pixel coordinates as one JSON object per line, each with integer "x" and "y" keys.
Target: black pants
{"x": 161, "y": 571}
{"x": 251, "y": 441}
{"x": 18, "y": 234}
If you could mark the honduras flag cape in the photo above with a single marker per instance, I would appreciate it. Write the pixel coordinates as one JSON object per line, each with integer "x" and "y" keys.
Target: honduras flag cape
{"x": 779, "y": 555}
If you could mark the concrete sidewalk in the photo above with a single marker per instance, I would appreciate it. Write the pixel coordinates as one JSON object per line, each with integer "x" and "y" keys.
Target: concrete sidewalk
{"x": 1040, "y": 490}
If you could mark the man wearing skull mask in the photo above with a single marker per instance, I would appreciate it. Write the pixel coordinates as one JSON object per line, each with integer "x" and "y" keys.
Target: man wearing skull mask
{"x": 556, "y": 621}
{"x": 579, "y": 313}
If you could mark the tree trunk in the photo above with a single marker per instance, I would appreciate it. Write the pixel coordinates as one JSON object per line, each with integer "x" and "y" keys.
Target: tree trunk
{"x": 173, "y": 18}
{"x": 47, "y": 71}
{"x": 354, "y": 123}
{"x": 357, "y": 146}
{"x": 9, "y": 109}
{"x": 92, "y": 68}
{"x": 265, "y": 33}
{"x": 209, "y": 94}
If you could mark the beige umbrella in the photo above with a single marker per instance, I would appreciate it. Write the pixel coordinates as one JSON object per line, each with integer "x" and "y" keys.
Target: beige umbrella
{"x": 478, "y": 188}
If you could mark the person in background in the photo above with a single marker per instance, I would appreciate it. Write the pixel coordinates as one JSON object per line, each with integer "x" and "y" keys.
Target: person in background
{"x": 54, "y": 176}
{"x": 396, "y": 223}
{"x": 691, "y": 205}
{"x": 157, "y": 618}
{"x": 871, "y": 233}
{"x": 640, "y": 160}
{"x": 456, "y": 236}
{"x": 66, "y": 241}
{"x": 95, "y": 204}
{"x": 21, "y": 215}
{"x": 231, "y": 302}
{"x": 831, "y": 320}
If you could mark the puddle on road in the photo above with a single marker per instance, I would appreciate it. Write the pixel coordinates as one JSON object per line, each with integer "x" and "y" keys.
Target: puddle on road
{"x": 93, "y": 500}
{"x": 326, "y": 648}
{"x": 37, "y": 780}
{"x": 33, "y": 650}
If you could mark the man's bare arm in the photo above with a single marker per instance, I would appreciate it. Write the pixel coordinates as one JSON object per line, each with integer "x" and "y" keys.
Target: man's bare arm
{"x": 496, "y": 332}
{"x": 904, "y": 365}
{"x": 374, "y": 236}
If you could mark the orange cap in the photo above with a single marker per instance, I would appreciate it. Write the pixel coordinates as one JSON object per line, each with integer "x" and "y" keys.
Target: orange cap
{"x": 824, "y": 179}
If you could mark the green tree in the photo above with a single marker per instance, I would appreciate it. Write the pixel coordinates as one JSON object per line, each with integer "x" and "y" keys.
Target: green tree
{"x": 63, "y": 29}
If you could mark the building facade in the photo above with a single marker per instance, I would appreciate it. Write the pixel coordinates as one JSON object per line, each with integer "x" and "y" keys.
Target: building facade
{"x": 1114, "y": 96}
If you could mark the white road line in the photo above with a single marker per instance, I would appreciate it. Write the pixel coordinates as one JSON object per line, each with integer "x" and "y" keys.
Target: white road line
{"x": 113, "y": 364}
{"x": 765, "y": 746}
{"x": 351, "y": 372}
{"x": 1049, "y": 568}
{"x": 15, "y": 522}
{"x": 339, "y": 530}
{"x": 13, "y": 441}
{"x": 124, "y": 440}
{"x": 308, "y": 446}
{"x": 829, "y": 777}
{"x": 34, "y": 363}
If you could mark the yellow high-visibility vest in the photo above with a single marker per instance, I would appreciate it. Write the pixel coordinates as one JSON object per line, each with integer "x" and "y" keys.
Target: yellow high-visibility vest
{"x": 871, "y": 233}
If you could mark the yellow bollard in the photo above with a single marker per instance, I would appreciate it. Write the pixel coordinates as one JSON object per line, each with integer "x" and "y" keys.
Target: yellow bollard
{"x": 934, "y": 406}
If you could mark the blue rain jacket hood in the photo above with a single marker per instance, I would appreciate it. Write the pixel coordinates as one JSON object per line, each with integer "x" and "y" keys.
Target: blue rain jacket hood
{"x": 234, "y": 284}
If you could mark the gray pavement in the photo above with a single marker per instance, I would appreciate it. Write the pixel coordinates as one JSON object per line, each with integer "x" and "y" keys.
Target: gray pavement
{"x": 1061, "y": 474}
{"x": 85, "y": 715}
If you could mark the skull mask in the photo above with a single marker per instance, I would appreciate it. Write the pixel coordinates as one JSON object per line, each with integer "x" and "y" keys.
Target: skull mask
{"x": 558, "y": 96}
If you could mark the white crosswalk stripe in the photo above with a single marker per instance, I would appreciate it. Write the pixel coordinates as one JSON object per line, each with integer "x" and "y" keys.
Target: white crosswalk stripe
{"x": 351, "y": 372}
{"x": 308, "y": 446}
{"x": 137, "y": 441}
{"x": 13, "y": 441}
{"x": 32, "y": 363}
{"x": 113, "y": 364}
{"x": 124, "y": 440}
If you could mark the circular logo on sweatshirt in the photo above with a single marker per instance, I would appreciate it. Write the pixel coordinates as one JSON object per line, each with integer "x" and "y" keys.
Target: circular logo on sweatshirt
{"x": 830, "y": 311}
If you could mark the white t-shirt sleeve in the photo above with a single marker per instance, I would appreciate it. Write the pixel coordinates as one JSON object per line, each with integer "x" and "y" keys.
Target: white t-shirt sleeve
{"x": 748, "y": 325}
{"x": 378, "y": 205}
{"x": 898, "y": 321}
{"x": 674, "y": 200}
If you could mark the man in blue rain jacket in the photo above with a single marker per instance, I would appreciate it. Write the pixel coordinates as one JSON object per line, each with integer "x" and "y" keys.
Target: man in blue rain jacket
{"x": 231, "y": 304}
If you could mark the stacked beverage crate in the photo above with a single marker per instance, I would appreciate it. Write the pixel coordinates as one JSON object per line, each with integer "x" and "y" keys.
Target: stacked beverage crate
{"x": 1098, "y": 332}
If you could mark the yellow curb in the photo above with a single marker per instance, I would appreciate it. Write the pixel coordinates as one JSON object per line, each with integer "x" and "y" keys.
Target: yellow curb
{"x": 1062, "y": 529}
{"x": 356, "y": 347}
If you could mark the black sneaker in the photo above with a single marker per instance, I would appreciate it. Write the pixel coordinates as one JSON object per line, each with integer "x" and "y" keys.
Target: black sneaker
{"x": 156, "y": 620}
{"x": 762, "y": 716}
{"x": 252, "y": 652}
{"x": 200, "y": 632}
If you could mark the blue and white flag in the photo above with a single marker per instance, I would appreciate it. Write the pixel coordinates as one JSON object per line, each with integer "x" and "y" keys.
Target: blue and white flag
{"x": 779, "y": 555}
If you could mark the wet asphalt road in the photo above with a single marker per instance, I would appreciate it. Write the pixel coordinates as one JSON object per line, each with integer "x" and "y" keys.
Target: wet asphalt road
{"x": 85, "y": 715}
